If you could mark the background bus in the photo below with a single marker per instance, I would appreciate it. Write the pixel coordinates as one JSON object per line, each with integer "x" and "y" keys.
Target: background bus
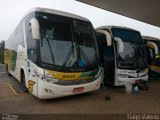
{"x": 153, "y": 50}
{"x": 54, "y": 54}
{"x": 123, "y": 55}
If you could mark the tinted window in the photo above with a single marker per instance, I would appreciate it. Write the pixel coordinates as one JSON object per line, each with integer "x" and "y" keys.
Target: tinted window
{"x": 86, "y": 46}
{"x": 32, "y": 49}
{"x": 56, "y": 42}
{"x": 127, "y": 59}
{"x": 127, "y": 35}
{"x": 67, "y": 43}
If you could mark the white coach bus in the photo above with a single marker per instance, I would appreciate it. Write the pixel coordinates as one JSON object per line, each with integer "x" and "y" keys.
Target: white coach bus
{"x": 153, "y": 50}
{"x": 123, "y": 55}
{"x": 54, "y": 54}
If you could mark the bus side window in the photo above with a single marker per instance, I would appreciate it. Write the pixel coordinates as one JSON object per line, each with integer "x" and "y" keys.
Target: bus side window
{"x": 32, "y": 51}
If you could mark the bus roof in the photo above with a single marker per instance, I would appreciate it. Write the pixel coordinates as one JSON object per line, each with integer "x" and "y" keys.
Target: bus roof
{"x": 46, "y": 10}
{"x": 110, "y": 27}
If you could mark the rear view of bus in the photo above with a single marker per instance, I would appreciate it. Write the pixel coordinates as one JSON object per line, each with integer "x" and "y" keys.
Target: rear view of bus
{"x": 123, "y": 55}
{"x": 60, "y": 54}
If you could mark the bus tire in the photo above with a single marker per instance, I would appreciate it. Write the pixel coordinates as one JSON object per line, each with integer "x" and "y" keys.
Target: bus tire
{"x": 7, "y": 70}
{"x": 23, "y": 81}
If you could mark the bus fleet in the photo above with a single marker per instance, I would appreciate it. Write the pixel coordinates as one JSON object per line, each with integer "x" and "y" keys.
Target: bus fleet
{"x": 55, "y": 54}
{"x": 153, "y": 50}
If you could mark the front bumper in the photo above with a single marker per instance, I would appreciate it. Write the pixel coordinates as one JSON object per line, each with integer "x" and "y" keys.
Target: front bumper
{"x": 48, "y": 90}
{"x": 122, "y": 81}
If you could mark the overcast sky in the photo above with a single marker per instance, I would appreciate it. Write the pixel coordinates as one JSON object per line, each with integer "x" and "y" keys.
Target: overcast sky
{"x": 12, "y": 11}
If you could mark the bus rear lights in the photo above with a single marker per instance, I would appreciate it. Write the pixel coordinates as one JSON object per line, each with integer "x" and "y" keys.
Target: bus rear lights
{"x": 49, "y": 91}
{"x": 78, "y": 90}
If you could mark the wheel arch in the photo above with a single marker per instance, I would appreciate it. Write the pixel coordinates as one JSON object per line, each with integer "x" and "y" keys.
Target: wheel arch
{"x": 22, "y": 70}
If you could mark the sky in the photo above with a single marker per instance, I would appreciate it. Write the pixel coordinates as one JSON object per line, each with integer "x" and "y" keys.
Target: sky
{"x": 12, "y": 11}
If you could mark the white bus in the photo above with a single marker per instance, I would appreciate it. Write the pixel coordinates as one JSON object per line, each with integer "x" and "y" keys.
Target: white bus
{"x": 123, "y": 55}
{"x": 54, "y": 54}
{"x": 153, "y": 50}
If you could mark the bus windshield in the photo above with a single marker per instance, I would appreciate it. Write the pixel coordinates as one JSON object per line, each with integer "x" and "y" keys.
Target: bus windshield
{"x": 68, "y": 44}
{"x": 128, "y": 57}
{"x": 134, "y": 55}
{"x": 128, "y": 35}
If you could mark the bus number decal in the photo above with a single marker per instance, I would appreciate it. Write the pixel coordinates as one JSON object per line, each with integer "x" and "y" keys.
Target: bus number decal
{"x": 30, "y": 85}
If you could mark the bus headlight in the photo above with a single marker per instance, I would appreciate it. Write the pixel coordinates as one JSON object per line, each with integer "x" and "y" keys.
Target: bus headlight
{"x": 123, "y": 76}
{"x": 49, "y": 79}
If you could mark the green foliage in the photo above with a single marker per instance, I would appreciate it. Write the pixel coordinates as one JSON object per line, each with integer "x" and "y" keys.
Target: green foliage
{"x": 2, "y": 47}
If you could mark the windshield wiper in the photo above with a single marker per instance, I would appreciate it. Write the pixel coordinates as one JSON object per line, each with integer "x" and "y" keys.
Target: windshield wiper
{"x": 137, "y": 64}
{"x": 71, "y": 51}
{"x": 50, "y": 50}
{"x": 84, "y": 55}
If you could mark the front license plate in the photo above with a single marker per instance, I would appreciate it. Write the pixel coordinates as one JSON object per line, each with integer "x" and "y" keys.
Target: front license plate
{"x": 78, "y": 90}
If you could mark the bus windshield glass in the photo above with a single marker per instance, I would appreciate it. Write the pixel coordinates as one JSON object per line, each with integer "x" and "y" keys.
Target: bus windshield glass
{"x": 134, "y": 55}
{"x": 127, "y": 59}
{"x": 127, "y": 35}
{"x": 68, "y": 43}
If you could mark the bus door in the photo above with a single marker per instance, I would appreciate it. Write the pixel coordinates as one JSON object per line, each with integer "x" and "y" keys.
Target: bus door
{"x": 109, "y": 65}
{"x": 150, "y": 55}
{"x": 107, "y": 58}
{"x": 151, "y": 61}
{"x": 32, "y": 52}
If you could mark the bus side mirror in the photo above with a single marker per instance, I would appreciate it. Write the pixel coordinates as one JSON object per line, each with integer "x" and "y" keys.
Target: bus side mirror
{"x": 154, "y": 45}
{"x": 108, "y": 36}
{"x": 120, "y": 44}
{"x": 35, "y": 28}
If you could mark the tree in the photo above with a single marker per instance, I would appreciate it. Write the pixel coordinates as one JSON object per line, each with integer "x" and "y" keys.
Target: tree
{"x": 2, "y": 47}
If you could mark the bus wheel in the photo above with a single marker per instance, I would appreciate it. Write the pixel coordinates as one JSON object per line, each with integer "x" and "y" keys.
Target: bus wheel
{"x": 7, "y": 70}
{"x": 23, "y": 82}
